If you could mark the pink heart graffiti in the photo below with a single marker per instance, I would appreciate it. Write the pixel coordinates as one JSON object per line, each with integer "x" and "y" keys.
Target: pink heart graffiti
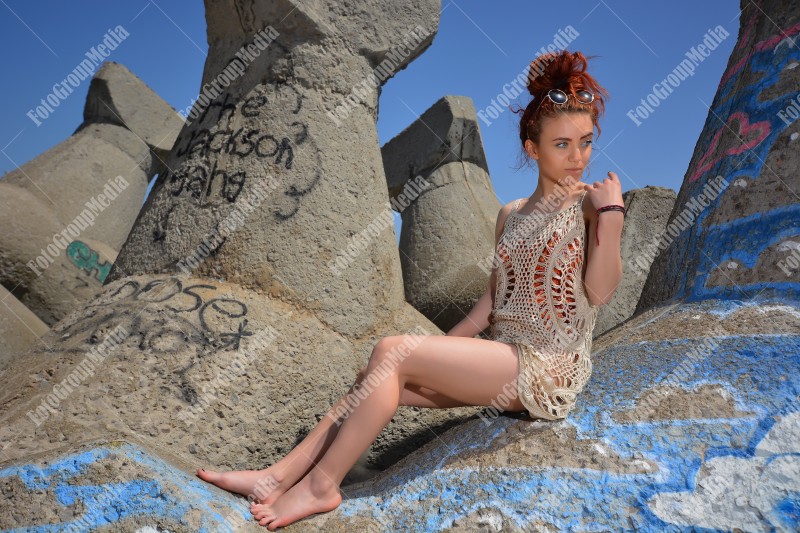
{"x": 750, "y": 134}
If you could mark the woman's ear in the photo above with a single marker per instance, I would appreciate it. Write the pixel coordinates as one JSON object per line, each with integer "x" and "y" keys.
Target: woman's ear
{"x": 532, "y": 149}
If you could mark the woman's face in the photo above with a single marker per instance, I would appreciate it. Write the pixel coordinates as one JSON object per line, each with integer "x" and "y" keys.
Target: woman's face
{"x": 564, "y": 147}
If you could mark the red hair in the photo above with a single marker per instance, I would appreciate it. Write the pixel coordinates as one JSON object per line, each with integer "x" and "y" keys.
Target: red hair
{"x": 558, "y": 70}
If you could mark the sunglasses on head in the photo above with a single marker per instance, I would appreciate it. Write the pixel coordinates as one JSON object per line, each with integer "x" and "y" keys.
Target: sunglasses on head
{"x": 559, "y": 97}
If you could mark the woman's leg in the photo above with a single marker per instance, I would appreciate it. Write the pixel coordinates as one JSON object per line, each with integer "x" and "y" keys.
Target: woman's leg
{"x": 465, "y": 370}
{"x": 266, "y": 485}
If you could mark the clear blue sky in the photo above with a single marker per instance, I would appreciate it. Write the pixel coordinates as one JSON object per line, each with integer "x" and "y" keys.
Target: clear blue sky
{"x": 480, "y": 46}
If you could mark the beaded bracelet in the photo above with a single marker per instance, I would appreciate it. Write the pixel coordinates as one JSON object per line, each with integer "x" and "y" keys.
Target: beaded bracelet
{"x": 613, "y": 207}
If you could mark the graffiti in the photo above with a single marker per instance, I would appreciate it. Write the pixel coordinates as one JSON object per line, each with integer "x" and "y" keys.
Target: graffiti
{"x": 242, "y": 143}
{"x": 88, "y": 260}
{"x": 198, "y": 181}
{"x": 223, "y": 107}
{"x": 245, "y": 142}
{"x": 740, "y": 133}
{"x": 207, "y": 175}
{"x": 165, "y": 493}
{"x": 222, "y": 325}
{"x": 749, "y": 134}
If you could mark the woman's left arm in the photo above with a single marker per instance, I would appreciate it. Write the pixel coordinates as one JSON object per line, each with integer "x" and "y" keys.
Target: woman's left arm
{"x": 604, "y": 262}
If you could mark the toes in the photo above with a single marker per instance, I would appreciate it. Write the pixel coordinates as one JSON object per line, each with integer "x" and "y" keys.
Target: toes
{"x": 262, "y": 511}
{"x": 208, "y": 475}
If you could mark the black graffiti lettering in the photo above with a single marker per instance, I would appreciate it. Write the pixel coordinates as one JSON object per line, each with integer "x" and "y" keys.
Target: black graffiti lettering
{"x": 259, "y": 149}
{"x": 299, "y": 105}
{"x": 198, "y": 300}
{"x": 197, "y": 143}
{"x": 233, "y": 339}
{"x": 231, "y": 147}
{"x": 175, "y": 288}
{"x": 214, "y": 173}
{"x": 301, "y": 136}
{"x": 285, "y": 148}
{"x": 251, "y": 106}
{"x": 223, "y": 106}
{"x": 250, "y": 142}
{"x": 226, "y": 107}
{"x": 215, "y": 148}
{"x": 232, "y": 186}
{"x": 133, "y": 284}
{"x": 224, "y": 306}
{"x": 176, "y": 182}
{"x": 197, "y": 181}
{"x": 222, "y": 322}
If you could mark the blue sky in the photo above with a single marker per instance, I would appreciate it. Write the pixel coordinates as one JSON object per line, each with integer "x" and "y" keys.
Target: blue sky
{"x": 480, "y": 47}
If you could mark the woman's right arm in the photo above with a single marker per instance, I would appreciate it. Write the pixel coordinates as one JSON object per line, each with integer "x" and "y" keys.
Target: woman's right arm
{"x": 478, "y": 319}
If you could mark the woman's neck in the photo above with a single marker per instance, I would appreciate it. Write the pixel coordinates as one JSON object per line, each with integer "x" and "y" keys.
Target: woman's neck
{"x": 553, "y": 196}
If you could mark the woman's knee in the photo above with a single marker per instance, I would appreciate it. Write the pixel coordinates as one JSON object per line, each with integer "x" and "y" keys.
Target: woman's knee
{"x": 384, "y": 348}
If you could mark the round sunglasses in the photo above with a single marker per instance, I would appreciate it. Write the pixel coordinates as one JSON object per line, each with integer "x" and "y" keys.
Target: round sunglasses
{"x": 559, "y": 97}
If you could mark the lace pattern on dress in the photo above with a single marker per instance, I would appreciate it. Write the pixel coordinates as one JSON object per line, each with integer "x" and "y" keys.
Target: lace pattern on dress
{"x": 540, "y": 306}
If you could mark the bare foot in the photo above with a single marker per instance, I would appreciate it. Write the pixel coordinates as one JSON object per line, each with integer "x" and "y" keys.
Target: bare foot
{"x": 262, "y": 486}
{"x": 307, "y": 497}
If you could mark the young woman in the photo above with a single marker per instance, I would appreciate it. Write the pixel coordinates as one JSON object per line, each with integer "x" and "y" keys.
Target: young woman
{"x": 557, "y": 259}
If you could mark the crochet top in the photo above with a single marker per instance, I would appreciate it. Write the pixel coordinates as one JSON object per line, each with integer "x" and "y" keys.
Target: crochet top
{"x": 541, "y": 306}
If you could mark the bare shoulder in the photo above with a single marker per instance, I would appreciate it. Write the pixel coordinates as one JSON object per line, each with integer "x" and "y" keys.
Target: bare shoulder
{"x": 502, "y": 215}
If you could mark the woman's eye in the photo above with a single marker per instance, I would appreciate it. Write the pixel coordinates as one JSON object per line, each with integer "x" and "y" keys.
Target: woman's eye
{"x": 559, "y": 145}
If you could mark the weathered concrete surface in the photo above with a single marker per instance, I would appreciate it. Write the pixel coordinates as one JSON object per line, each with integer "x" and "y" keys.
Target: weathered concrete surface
{"x": 729, "y": 242}
{"x": 272, "y": 123}
{"x": 624, "y": 459}
{"x": 76, "y": 171}
{"x": 175, "y": 336}
{"x": 436, "y": 171}
{"x": 67, "y": 279}
{"x": 116, "y": 486}
{"x": 648, "y": 467}
{"x": 192, "y": 355}
{"x": 90, "y": 186}
{"x": 19, "y": 327}
{"x": 117, "y": 96}
{"x": 632, "y": 460}
{"x": 645, "y": 221}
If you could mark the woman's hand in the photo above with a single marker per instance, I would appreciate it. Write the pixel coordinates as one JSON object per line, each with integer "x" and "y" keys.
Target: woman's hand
{"x": 606, "y": 192}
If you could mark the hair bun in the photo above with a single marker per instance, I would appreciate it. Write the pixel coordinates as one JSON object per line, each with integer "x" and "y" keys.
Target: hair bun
{"x": 555, "y": 70}
{"x": 558, "y": 70}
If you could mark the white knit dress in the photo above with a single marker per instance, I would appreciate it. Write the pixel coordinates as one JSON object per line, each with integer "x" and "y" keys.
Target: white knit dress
{"x": 541, "y": 307}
